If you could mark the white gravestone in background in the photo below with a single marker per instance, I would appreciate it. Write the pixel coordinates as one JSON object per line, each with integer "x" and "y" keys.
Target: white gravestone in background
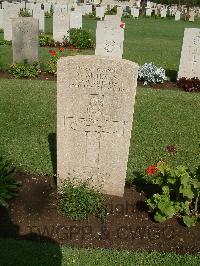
{"x": 177, "y": 16}
{"x": 135, "y": 12}
{"x": 163, "y": 13}
{"x": 1, "y": 18}
{"x": 8, "y": 14}
{"x": 75, "y": 20}
{"x": 38, "y": 13}
{"x": 95, "y": 105}
{"x": 190, "y": 55}
{"x": 100, "y": 10}
{"x": 148, "y": 12}
{"x": 61, "y": 25}
{"x": 109, "y": 39}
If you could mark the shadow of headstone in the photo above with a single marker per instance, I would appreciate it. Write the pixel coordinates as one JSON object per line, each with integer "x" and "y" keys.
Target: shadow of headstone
{"x": 52, "y": 149}
{"x": 32, "y": 249}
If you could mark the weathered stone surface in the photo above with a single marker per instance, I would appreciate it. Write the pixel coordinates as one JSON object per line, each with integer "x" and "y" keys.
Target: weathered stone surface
{"x": 109, "y": 38}
{"x": 1, "y": 18}
{"x": 95, "y": 103}
{"x": 177, "y": 16}
{"x": 148, "y": 12}
{"x": 190, "y": 56}
{"x": 25, "y": 31}
{"x": 60, "y": 25}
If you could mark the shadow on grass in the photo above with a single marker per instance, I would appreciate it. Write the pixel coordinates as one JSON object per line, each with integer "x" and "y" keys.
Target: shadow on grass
{"x": 172, "y": 74}
{"x": 32, "y": 249}
{"x": 52, "y": 149}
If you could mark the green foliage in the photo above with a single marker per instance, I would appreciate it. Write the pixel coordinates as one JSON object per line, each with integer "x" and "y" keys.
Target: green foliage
{"x": 179, "y": 196}
{"x": 48, "y": 14}
{"x": 24, "y": 70}
{"x": 46, "y": 40}
{"x": 80, "y": 38}
{"x": 52, "y": 63}
{"x": 5, "y": 42}
{"x": 8, "y": 184}
{"x": 77, "y": 200}
{"x": 24, "y": 13}
{"x": 1, "y": 30}
{"x": 112, "y": 11}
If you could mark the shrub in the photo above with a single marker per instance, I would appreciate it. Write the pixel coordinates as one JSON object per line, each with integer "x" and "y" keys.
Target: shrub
{"x": 1, "y": 30}
{"x": 48, "y": 14}
{"x": 52, "y": 63}
{"x": 81, "y": 39}
{"x": 8, "y": 183}
{"x": 46, "y": 40}
{"x": 24, "y": 13}
{"x": 5, "y": 42}
{"x": 179, "y": 192}
{"x": 126, "y": 15}
{"x": 149, "y": 73}
{"x": 77, "y": 201}
{"x": 190, "y": 85}
{"x": 25, "y": 70}
{"x": 112, "y": 11}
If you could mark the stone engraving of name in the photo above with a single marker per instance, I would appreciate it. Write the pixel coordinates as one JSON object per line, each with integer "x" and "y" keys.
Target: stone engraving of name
{"x": 95, "y": 101}
{"x": 25, "y": 42}
{"x": 190, "y": 56}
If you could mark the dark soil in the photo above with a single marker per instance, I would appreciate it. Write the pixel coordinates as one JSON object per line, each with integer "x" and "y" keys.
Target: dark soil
{"x": 33, "y": 215}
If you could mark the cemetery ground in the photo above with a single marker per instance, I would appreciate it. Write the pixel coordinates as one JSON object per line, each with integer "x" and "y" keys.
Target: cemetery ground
{"x": 28, "y": 133}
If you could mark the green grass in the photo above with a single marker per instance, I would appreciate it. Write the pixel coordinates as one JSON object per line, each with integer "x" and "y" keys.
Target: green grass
{"x": 162, "y": 117}
{"x": 146, "y": 40}
{"x": 23, "y": 253}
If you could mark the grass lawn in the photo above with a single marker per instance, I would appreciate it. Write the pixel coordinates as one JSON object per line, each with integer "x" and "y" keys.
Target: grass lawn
{"x": 146, "y": 40}
{"x": 162, "y": 117}
{"x": 25, "y": 253}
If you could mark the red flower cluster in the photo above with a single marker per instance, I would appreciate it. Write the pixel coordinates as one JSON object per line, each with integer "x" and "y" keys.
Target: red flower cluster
{"x": 52, "y": 53}
{"x": 152, "y": 169}
{"x": 61, "y": 49}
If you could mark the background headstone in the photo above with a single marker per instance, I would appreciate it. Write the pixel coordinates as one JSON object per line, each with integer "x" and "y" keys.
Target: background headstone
{"x": 25, "y": 39}
{"x": 75, "y": 19}
{"x": 190, "y": 56}
{"x": 60, "y": 25}
{"x": 8, "y": 14}
{"x": 109, "y": 39}
{"x": 95, "y": 103}
{"x": 38, "y": 13}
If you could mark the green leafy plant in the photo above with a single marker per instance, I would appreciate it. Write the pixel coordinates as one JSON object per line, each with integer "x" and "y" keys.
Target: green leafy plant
{"x": 112, "y": 11}
{"x": 8, "y": 183}
{"x": 24, "y": 13}
{"x": 52, "y": 63}
{"x": 5, "y": 42}
{"x": 25, "y": 70}
{"x": 46, "y": 40}
{"x": 179, "y": 192}
{"x": 80, "y": 38}
{"x": 1, "y": 30}
{"x": 77, "y": 200}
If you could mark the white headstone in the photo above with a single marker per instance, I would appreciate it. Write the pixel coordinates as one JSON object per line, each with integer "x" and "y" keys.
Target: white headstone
{"x": 135, "y": 12}
{"x": 109, "y": 39}
{"x": 190, "y": 56}
{"x": 38, "y": 13}
{"x": 178, "y": 16}
{"x": 8, "y": 14}
{"x": 60, "y": 26}
{"x": 163, "y": 13}
{"x": 75, "y": 20}
{"x": 100, "y": 10}
{"x": 148, "y": 12}
{"x": 95, "y": 105}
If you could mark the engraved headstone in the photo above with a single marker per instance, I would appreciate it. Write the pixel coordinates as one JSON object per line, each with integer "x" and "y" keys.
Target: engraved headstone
{"x": 75, "y": 19}
{"x": 25, "y": 31}
{"x": 135, "y": 12}
{"x": 95, "y": 103}
{"x": 163, "y": 13}
{"x": 109, "y": 38}
{"x": 190, "y": 56}
{"x": 191, "y": 16}
{"x": 60, "y": 25}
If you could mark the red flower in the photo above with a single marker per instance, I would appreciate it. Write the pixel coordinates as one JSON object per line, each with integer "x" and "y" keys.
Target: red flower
{"x": 122, "y": 25}
{"x": 52, "y": 53}
{"x": 61, "y": 49}
{"x": 152, "y": 169}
